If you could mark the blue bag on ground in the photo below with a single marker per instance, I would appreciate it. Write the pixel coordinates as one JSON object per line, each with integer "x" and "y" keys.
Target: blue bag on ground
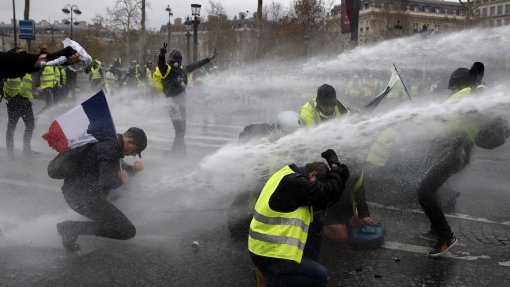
{"x": 368, "y": 236}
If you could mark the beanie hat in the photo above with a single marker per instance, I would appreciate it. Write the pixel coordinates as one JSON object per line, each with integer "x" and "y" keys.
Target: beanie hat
{"x": 176, "y": 57}
{"x": 326, "y": 95}
{"x": 461, "y": 78}
{"x": 139, "y": 138}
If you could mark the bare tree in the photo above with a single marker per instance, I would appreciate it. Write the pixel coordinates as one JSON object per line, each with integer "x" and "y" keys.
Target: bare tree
{"x": 470, "y": 7}
{"x": 274, "y": 11}
{"x": 125, "y": 16}
{"x": 142, "y": 34}
{"x": 309, "y": 13}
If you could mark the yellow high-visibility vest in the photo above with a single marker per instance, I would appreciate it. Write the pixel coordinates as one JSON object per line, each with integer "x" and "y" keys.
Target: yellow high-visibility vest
{"x": 278, "y": 234}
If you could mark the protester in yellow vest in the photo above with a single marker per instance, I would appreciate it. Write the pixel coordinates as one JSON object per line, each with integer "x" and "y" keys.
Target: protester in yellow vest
{"x": 284, "y": 239}
{"x": 466, "y": 130}
{"x": 324, "y": 107}
{"x": 18, "y": 93}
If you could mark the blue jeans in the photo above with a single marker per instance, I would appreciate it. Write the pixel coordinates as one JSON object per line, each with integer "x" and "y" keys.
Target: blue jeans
{"x": 282, "y": 273}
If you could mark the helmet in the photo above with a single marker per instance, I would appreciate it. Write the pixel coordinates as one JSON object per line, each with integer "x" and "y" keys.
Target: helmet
{"x": 460, "y": 78}
{"x": 326, "y": 95}
{"x": 175, "y": 57}
{"x": 288, "y": 122}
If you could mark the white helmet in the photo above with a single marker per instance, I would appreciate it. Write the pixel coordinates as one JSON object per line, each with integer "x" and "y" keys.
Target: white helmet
{"x": 288, "y": 122}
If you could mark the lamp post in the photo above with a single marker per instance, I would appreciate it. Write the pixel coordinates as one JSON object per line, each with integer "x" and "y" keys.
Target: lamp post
{"x": 188, "y": 23}
{"x": 398, "y": 29}
{"x": 71, "y": 9}
{"x": 170, "y": 14}
{"x": 195, "y": 12}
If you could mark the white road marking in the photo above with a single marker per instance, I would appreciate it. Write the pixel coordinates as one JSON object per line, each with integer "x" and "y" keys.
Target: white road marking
{"x": 425, "y": 250}
{"x": 451, "y": 215}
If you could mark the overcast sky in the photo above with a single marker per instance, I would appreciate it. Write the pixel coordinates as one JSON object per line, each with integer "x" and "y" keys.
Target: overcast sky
{"x": 156, "y": 14}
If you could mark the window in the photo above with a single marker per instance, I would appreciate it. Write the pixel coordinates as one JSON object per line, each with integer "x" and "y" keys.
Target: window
{"x": 461, "y": 12}
{"x": 427, "y": 9}
{"x": 437, "y": 10}
{"x": 417, "y": 9}
{"x": 492, "y": 11}
{"x": 500, "y": 9}
{"x": 366, "y": 6}
{"x": 507, "y": 9}
{"x": 361, "y": 29}
{"x": 484, "y": 12}
{"x": 436, "y": 27}
{"x": 416, "y": 27}
{"x": 366, "y": 29}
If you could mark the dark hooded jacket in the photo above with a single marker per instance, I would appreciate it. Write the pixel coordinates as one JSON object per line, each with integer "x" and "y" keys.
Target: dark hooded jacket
{"x": 96, "y": 170}
{"x": 175, "y": 83}
{"x": 296, "y": 190}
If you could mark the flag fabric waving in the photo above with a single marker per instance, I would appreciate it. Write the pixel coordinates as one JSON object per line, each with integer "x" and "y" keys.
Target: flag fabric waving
{"x": 78, "y": 126}
{"x": 395, "y": 77}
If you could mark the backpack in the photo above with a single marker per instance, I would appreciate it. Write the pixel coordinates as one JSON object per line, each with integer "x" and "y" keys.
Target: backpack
{"x": 64, "y": 164}
{"x": 255, "y": 131}
{"x": 368, "y": 236}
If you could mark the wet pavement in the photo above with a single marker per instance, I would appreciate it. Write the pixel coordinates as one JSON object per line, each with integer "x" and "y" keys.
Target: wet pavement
{"x": 162, "y": 254}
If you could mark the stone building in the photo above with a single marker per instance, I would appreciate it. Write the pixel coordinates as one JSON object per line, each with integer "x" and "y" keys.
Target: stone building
{"x": 386, "y": 19}
{"x": 492, "y": 13}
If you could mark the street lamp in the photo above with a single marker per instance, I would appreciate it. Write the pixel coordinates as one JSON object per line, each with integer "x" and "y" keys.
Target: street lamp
{"x": 188, "y": 23}
{"x": 195, "y": 12}
{"x": 398, "y": 29}
{"x": 170, "y": 14}
{"x": 70, "y": 9}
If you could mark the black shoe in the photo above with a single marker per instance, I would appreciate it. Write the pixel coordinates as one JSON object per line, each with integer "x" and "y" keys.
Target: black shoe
{"x": 442, "y": 246}
{"x": 68, "y": 238}
{"x": 429, "y": 235}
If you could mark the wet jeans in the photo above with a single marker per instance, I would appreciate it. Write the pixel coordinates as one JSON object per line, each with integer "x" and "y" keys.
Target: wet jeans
{"x": 19, "y": 107}
{"x": 177, "y": 112}
{"x": 281, "y": 272}
{"x": 107, "y": 220}
{"x": 455, "y": 153}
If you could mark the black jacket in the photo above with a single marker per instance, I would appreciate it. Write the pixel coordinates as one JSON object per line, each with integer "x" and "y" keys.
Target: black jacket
{"x": 296, "y": 190}
{"x": 175, "y": 83}
{"x": 14, "y": 65}
{"x": 96, "y": 171}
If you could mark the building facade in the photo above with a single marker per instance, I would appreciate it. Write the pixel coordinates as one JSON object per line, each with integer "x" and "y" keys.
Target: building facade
{"x": 492, "y": 13}
{"x": 386, "y": 19}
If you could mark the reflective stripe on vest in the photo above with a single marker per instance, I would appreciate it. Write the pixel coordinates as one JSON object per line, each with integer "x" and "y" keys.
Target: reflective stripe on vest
{"x": 12, "y": 87}
{"x": 278, "y": 234}
{"x": 460, "y": 94}
{"x": 47, "y": 78}
{"x": 26, "y": 87}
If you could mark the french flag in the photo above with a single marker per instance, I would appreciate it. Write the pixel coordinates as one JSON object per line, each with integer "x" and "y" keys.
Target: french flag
{"x": 79, "y": 125}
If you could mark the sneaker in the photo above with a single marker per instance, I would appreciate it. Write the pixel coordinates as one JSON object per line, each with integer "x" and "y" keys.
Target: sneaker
{"x": 68, "y": 238}
{"x": 429, "y": 235}
{"x": 442, "y": 246}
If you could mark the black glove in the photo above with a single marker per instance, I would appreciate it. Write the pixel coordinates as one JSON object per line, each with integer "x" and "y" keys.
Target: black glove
{"x": 330, "y": 157}
{"x": 343, "y": 171}
{"x": 162, "y": 51}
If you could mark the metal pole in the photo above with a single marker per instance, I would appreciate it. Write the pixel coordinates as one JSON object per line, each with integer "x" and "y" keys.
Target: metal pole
{"x": 14, "y": 17}
{"x": 188, "y": 56}
{"x": 72, "y": 22}
{"x": 195, "y": 39}
{"x": 168, "y": 27}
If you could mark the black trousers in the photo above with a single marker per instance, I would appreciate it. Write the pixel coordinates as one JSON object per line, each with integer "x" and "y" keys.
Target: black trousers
{"x": 107, "y": 220}
{"x": 19, "y": 107}
{"x": 454, "y": 154}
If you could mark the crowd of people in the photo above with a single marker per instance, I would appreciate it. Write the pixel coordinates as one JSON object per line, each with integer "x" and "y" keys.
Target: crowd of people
{"x": 289, "y": 214}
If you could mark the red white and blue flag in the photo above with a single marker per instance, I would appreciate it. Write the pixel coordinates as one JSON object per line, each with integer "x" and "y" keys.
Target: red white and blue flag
{"x": 81, "y": 125}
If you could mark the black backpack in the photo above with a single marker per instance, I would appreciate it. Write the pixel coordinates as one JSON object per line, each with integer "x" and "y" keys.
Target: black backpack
{"x": 63, "y": 165}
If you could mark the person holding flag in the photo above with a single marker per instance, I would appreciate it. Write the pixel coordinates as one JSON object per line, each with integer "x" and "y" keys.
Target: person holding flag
{"x": 96, "y": 170}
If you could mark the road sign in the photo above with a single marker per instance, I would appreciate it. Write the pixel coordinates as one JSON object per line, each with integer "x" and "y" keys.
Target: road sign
{"x": 26, "y": 29}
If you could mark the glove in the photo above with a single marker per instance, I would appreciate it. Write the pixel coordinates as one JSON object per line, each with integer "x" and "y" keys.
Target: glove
{"x": 343, "y": 171}
{"x": 162, "y": 51}
{"x": 330, "y": 157}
